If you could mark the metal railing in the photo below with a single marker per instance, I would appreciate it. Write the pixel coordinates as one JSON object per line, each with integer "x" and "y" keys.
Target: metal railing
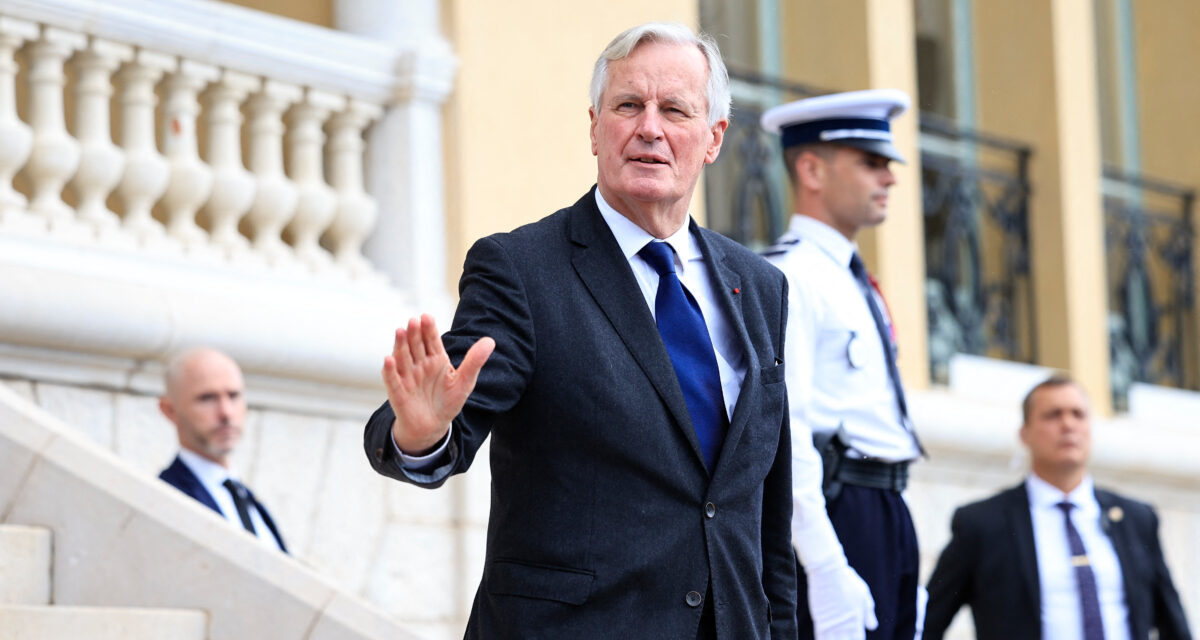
{"x": 1149, "y": 238}
{"x": 975, "y": 196}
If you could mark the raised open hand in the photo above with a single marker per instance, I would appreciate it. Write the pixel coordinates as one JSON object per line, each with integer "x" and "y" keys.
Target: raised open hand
{"x": 425, "y": 391}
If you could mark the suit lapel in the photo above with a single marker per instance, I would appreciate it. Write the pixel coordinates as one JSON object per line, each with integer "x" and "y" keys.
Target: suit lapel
{"x": 724, "y": 281}
{"x": 187, "y": 482}
{"x": 1021, "y": 524}
{"x": 1119, "y": 535}
{"x": 598, "y": 261}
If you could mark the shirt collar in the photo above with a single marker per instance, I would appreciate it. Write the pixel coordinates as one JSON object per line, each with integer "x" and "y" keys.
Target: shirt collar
{"x": 209, "y": 472}
{"x": 631, "y": 238}
{"x": 828, "y": 239}
{"x": 1043, "y": 495}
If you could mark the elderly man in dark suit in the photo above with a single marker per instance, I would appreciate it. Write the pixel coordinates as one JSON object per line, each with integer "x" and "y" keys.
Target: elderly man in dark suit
{"x": 1056, "y": 558}
{"x": 633, "y": 387}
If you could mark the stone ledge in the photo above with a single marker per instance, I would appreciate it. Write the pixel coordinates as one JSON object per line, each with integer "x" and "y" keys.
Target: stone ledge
{"x": 98, "y": 317}
{"x": 100, "y": 623}
{"x": 24, "y": 565}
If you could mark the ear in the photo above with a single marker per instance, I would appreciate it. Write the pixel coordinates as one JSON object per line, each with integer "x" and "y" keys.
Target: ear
{"x": 167, "y": 408}
{"x": 811, "y": 170}
{"x": 714, "y": 145}
{"x": 1023, "y": 433}
{"x": 592, "y": 129}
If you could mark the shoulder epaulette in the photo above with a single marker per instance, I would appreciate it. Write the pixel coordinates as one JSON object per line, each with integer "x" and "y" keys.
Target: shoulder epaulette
{"x": 779, "y": 248}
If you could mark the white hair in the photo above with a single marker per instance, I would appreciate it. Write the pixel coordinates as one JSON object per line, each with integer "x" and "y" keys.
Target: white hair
{"x": 719, "y": 99}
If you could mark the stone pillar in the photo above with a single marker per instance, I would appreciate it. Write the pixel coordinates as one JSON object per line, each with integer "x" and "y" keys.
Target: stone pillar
{"x": 1036, "y": 64}
{"x": 868, "y": 44}
{"x": 404, "y": 168}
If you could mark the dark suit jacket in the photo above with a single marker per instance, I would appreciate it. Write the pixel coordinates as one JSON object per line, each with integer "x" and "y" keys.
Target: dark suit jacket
{"x": 603, "y": 516}
{"x": 178, "y": 475}
{"x": 991, "y": 565}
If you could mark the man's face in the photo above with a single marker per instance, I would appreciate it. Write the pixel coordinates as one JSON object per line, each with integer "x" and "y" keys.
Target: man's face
{"x": 650, "y": 131}
{"x": 855, "y": 192}
{"x": 207, "y": 405}
{"x": 1058, "y": 431}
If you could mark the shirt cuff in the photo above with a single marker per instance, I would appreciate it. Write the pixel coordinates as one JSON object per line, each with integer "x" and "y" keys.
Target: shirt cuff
{"x": 426, "y": 462}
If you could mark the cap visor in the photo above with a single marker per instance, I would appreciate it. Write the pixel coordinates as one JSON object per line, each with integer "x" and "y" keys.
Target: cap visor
{"x": 878, "y": 147}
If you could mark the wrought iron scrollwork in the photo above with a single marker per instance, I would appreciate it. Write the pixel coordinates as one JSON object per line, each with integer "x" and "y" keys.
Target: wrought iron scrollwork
{"x": 975, "y": 199}
{"x": 1151, "y": 282}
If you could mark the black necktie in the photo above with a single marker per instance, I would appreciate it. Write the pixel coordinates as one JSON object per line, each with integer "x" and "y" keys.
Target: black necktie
{"x": 1085, "y": 579}
{"x": 241, "y": 499}
{"x": 685, "y": 335}
{"x": 864, "y": 284}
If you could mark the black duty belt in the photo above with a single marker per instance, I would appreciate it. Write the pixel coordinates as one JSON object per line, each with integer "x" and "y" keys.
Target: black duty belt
{"x": 873, "y": 474}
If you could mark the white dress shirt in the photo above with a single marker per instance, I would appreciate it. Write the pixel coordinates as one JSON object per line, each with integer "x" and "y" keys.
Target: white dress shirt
{"x": 1061, "y": 615}
{"x": 693, "y": 274}
{"x": 837, "y": 375}
{"x": 212, "y": 476}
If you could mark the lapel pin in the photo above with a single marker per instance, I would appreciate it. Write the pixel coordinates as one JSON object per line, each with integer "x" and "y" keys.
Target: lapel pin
{"x": 736, "y": 291}
{"x": 1115, "y": 514}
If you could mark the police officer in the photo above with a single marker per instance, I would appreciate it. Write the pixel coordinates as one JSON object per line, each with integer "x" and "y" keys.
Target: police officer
{"x": 844, "y": 390}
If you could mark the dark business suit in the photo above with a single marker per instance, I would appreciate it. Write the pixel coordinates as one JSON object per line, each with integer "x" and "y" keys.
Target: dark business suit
{"x": 604, "y": 521}
{"x": 991, "y": 565}
{"x": 178, "y": 475}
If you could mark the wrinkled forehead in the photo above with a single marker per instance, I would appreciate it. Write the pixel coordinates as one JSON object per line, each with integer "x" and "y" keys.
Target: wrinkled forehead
{"x": 660, "y": 68}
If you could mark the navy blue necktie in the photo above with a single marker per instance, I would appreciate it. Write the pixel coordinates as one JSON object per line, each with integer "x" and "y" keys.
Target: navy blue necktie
{"x": 241, "y": 500}
{"x": 864, "y": 283}
{"x": 1085, "y": 579}
{"x": 685, "y": 335}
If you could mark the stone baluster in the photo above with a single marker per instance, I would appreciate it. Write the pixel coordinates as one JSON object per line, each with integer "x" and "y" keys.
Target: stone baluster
{"x": 191, "y": 179}
{"x": 275, "y": 199}
{"x": 100, "y": 161}
{"x": 146, "y": 170}
{"x": 16, "y": 137}
{"x": 55, "y": 153}
{"x": 317, "y": 201}
{"x": 233, "y": 186}
{"x": 356, "y": 209}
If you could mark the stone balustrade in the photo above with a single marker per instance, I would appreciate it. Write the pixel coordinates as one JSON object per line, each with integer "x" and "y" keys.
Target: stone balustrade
{"x": 299, "y": 200}
{"x": 180, "y": 172}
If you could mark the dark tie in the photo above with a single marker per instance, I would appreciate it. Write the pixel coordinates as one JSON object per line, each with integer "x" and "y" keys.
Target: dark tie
{"x": 1085, "y": 579}
{"x": 685, "y": 335}
{"x": 889, "y": 355}
{"x": 241, "y": 499}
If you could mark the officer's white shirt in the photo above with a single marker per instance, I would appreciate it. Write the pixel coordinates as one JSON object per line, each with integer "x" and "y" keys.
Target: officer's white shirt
{"x": 693, "y": 274}
{"x": 212, "y": 475}
{"x": 1061, "y": 614}
{"x": 836, "y": 374}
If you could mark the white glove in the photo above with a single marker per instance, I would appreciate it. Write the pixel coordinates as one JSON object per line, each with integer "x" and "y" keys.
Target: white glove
{"x": 839, "y": 602}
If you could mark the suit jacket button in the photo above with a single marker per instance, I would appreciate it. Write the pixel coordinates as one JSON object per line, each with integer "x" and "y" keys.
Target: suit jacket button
{"x": 693, "y": 598}
{"x": 710, "y": 510}
{"x": 379, "y": 454}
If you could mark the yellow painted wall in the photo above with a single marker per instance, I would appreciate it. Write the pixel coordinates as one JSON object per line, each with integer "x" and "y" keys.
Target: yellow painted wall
{"x": 517, "y": 145}
{"x": 319, "y": 12}
{"x": 1168, "y": 51}
{"x": 1036, "y": 84}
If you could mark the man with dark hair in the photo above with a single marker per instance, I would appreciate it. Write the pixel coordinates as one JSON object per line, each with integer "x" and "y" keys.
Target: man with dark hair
{"x": 855, "y": 541}
{"x": 1054, "y": 557}
{"x": 627, "y": 365}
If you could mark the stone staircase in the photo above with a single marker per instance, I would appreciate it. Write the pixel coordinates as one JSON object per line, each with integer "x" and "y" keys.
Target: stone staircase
{"x": 26, "y": 611}
{"x": 134, "y": 558}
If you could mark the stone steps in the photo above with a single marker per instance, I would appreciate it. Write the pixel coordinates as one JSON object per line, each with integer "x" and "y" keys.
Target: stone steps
{"x": 26, "y": 612}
